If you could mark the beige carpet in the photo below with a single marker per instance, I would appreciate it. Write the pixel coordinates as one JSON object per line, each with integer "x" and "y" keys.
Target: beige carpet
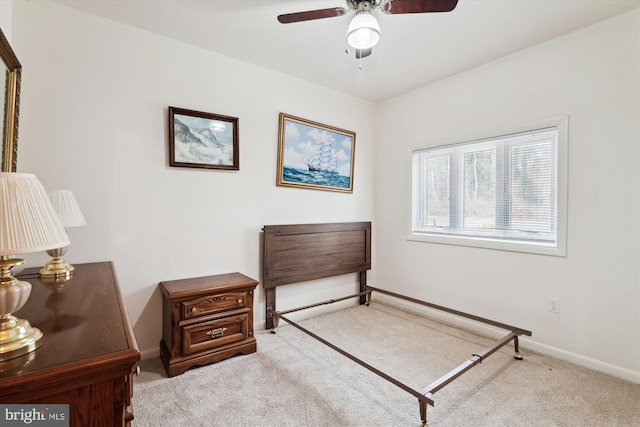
{"x": 293, "y": 380}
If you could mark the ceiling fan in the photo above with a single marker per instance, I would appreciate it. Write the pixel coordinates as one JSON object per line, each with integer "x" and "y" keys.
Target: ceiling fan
{"x": 364, "y": 31}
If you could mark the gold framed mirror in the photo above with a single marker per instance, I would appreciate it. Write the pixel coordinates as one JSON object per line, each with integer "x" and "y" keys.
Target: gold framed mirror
{"x": 11, "y": 88}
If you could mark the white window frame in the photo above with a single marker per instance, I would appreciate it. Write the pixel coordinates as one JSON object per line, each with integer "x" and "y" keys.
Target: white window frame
{"x": 559, "y": 248}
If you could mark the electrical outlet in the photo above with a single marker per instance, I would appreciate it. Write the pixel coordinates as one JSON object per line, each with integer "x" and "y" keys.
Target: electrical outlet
{"x": 554, "y": 305}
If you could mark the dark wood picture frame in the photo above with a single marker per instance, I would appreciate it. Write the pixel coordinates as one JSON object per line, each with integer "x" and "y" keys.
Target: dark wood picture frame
{"x": 203, "y": 140}
{"x": 314, "y": 156}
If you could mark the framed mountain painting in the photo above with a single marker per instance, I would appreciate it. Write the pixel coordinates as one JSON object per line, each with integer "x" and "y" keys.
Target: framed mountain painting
{"x": 203, "y": 140}
{"x": 314, "y": 156}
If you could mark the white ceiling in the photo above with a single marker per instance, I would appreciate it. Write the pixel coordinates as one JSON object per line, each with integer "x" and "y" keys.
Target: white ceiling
{"x": 415, "y": 49}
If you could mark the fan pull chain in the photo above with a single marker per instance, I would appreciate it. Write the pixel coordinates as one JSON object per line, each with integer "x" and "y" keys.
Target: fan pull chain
{"x": 347, "y": 52}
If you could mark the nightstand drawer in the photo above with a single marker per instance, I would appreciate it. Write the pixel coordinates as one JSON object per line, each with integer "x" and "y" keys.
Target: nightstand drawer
{"x": 217, "y": 333}
{"x": 217, "y": 303}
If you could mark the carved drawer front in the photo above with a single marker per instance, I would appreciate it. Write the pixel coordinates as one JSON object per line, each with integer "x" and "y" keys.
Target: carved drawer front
{"x": 217, "y": 333}
{"x": 212, "y": 304}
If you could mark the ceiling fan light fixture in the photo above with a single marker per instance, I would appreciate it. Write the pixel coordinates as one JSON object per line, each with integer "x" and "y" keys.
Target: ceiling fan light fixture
{"x": 363, "y": 31}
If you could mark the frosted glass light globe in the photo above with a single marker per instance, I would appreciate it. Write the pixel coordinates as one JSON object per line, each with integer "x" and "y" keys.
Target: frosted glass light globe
{"x": 363, "y": 31}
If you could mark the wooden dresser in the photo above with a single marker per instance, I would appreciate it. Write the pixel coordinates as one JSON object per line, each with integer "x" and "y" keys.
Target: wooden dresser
{"x": 89, "y": 349}
{"x": 205, "y": 320}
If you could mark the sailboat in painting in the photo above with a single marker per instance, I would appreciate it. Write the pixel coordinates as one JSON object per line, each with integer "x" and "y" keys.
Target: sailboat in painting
{"x": 325, "y": 159}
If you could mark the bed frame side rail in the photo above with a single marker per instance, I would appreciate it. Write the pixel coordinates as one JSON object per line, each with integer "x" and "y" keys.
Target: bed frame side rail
{"x": 424, "y": 396}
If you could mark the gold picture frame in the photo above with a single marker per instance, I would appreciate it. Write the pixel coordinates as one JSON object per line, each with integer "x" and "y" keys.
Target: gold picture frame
{"x": 314, "y": 156}
{"x": 12, "y": 81}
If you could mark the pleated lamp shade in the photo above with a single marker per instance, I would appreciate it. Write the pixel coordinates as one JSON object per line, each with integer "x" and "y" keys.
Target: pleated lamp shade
{"x": 65, "y": 204}
{"x": 28, "y": 222}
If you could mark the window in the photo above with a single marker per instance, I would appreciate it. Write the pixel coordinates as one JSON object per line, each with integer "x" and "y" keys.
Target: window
{"x": 506, "y": 192}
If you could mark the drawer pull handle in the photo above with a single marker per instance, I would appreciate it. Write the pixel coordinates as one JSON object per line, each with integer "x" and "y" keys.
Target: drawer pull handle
{"x": 239, "y": 300}
{"x": 193, "y": 309}
{"x": 216, "y": 332}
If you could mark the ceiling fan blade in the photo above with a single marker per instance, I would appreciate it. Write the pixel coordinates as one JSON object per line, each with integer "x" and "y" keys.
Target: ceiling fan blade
{"x": 363, "y": 53}
{"x": 420, "y": 6}
{"x": 309, "y": 15}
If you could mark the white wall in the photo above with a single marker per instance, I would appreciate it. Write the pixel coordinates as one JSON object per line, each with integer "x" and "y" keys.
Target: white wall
{"x": 592, "y": 76}
{"x": 93, "y": 119}
{"x": 5, "y": 19}
{"x": 6, "y": 27}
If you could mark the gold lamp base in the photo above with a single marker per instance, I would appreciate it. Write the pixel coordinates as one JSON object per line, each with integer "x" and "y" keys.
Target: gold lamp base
{"x": 17, "y": 337}
{"x": 57, "y": 267}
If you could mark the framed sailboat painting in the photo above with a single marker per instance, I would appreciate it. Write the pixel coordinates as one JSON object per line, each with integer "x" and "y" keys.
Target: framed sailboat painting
{"x": 314, "y": 156}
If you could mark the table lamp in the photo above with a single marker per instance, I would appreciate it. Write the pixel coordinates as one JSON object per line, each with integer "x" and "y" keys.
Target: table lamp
{"x": 28, "y": 223}
{"x": 66, "y": 206}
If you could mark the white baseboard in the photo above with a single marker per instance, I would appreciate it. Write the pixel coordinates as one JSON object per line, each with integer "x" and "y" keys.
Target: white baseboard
{"x": 149, "y": 353}
{"x": 259, "y": 326}
{"x": 577, "y": 359}
{"x": 525, "y": 342}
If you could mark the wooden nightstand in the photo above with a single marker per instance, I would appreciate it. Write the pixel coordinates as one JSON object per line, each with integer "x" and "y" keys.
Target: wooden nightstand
{"x": 205, "y": 320}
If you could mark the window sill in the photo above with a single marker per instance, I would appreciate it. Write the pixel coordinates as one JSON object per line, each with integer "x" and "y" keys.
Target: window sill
{"x": 487, "y": 243}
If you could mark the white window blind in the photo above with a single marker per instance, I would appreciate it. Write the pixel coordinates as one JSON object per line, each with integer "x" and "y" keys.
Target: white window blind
{"x": 502, "y": 189}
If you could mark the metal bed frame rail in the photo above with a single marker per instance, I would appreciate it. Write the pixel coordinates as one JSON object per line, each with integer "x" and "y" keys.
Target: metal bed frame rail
{"x": 425, "y": 395}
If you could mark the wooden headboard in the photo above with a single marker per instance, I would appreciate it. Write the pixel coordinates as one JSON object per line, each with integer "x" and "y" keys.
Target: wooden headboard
{"x": 300, "y": 252}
